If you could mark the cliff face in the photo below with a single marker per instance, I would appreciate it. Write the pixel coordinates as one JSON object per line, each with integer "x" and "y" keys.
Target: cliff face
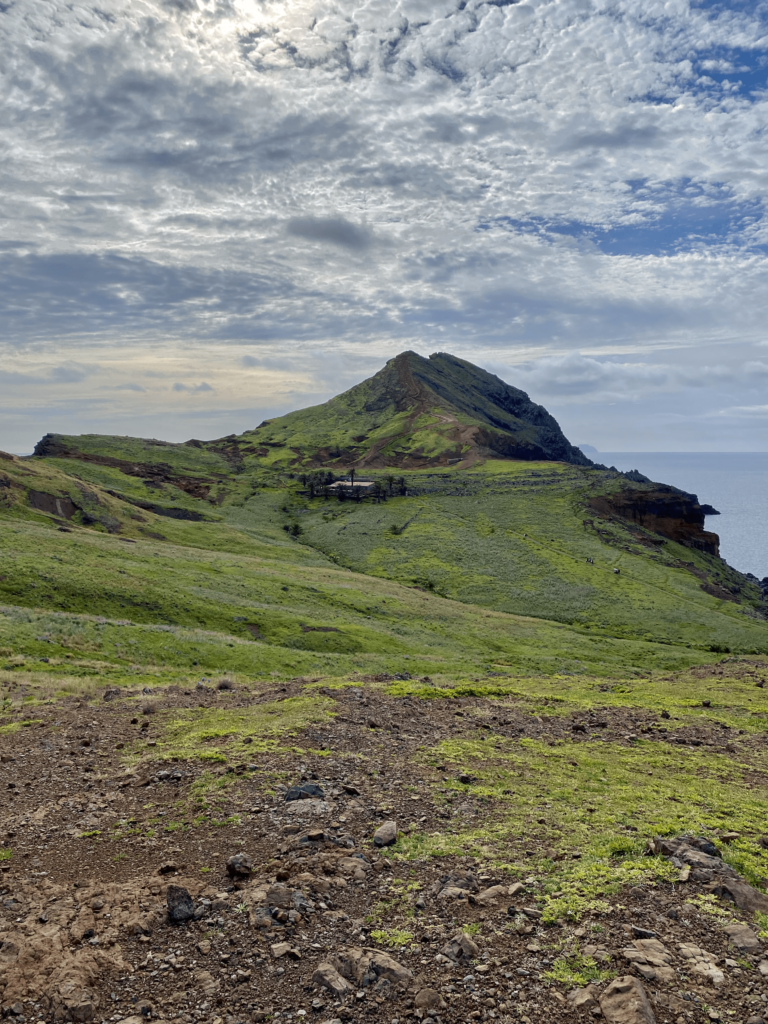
{"x": 663, "y": 510}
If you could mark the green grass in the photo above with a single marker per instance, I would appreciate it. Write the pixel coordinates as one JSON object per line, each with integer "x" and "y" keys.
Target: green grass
{"x": 602, "y": 801}
{"x": 394, "y": 938}
{"x": 735, "y": 699}
{"x": 577, "y": 970}
{"x": 174, "y": 609}
{"x": 212, "y": 731}
{"x": 476, "y": 584}
{"x": 510, "y": 536}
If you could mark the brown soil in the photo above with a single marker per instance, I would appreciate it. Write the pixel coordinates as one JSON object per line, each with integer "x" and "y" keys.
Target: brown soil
{"x": 83, "y": 917}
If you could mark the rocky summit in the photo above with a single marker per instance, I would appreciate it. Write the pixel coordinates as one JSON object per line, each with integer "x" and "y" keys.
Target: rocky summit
{"x": 396, "y": 709}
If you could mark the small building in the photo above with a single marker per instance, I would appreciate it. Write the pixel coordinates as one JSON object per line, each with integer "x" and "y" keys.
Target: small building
{"x": 362, "y": 485}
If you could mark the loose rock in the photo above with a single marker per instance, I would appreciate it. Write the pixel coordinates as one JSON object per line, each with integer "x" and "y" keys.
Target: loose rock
{"x": 306, "y": 791}
{"x": 326, "y": 976}
{"x": 625, "y": 1002}
{"x": 386, "y": 834}
{"x": 461, "y": 948}
{"x": 239, "y": 866}
{"x": 180, "y": 906}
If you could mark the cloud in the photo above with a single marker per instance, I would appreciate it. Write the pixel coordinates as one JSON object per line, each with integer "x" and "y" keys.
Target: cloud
{"x": 193, "y": 389}
{"x": 549, "y": 178}
{"x": 576, "y": 378}
{"x": 72, "y": 373}
{"x": 335, "y": 230}
{"x": 130, "y": 387}
{"x": 744, "y": 412}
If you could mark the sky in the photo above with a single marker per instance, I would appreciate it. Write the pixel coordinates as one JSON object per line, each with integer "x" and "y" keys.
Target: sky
{"x": 214, "y": 211}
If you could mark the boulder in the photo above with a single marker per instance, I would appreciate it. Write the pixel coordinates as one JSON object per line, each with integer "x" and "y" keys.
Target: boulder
{"x": 489, "y": 897}
{"x": 702, "y": 962}
{"x": 356, "y": 963}
{"x": 651, "y": 959}
{"x": 240, "y": 866}
{"x": 743, "y": 938}
{"x": 625, "y": 1002}
{"x": 748, "y": 899}
{"x": 180, "y": 906}
{"x": 460, "y": 949}
{"x": 326, "y": 976}
{"x": 386, "y": 834}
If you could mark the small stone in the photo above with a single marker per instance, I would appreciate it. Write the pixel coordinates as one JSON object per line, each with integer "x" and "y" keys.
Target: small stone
{"x": 642, "y": 933}
{"x": 239, "y": 866}
{"x": 743, "y": 937}
{"x": 429, "y": 999}
{"x": 204, "y": 947}
{"x": 179, "y": 902}
{"x": 306, "y": 791}
{"x": 167, "y": 868}
{"x": 625, "y": 1002}
{"x": 386, "y": 834}
{"x": 583, "y": 998}
{"x": 326, "y": 976}
{"x": 285, "y": 949}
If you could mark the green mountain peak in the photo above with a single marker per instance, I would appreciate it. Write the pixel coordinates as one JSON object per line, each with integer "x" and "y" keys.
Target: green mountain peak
{"x": 414, "y": 413}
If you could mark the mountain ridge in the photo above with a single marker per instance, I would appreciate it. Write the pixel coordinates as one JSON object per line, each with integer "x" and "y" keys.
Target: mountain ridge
{"x": 437, "y": 411}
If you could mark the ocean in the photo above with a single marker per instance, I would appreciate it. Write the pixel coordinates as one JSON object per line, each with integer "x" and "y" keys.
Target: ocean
{"x": 735, "y": 483}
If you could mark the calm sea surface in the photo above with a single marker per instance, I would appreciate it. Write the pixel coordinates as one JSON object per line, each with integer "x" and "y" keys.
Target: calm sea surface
{"x": 736, "y": 483}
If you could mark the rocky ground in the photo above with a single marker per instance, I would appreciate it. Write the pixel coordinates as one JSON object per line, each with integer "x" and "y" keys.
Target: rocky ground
{"x": 132, "y": 893}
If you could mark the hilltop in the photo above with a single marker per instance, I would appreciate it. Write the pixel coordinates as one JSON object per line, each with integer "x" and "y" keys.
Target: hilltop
{"x": 418, "y": 412}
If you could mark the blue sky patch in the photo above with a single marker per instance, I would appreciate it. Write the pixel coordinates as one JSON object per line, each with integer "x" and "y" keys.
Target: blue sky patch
{"x": 667, "y": 219}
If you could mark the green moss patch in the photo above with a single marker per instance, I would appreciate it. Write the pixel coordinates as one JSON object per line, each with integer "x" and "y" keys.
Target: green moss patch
{"x": 212, "y": 733}
{"x": 582, "y": 812}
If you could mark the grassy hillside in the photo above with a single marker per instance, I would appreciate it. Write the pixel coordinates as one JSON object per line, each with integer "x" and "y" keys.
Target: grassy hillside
{"x": 472, "y": 572}
{"x": 522, "y": 538}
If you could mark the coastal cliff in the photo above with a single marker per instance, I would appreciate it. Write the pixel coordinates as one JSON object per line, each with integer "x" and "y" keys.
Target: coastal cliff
{"x": 665, "y": 510}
